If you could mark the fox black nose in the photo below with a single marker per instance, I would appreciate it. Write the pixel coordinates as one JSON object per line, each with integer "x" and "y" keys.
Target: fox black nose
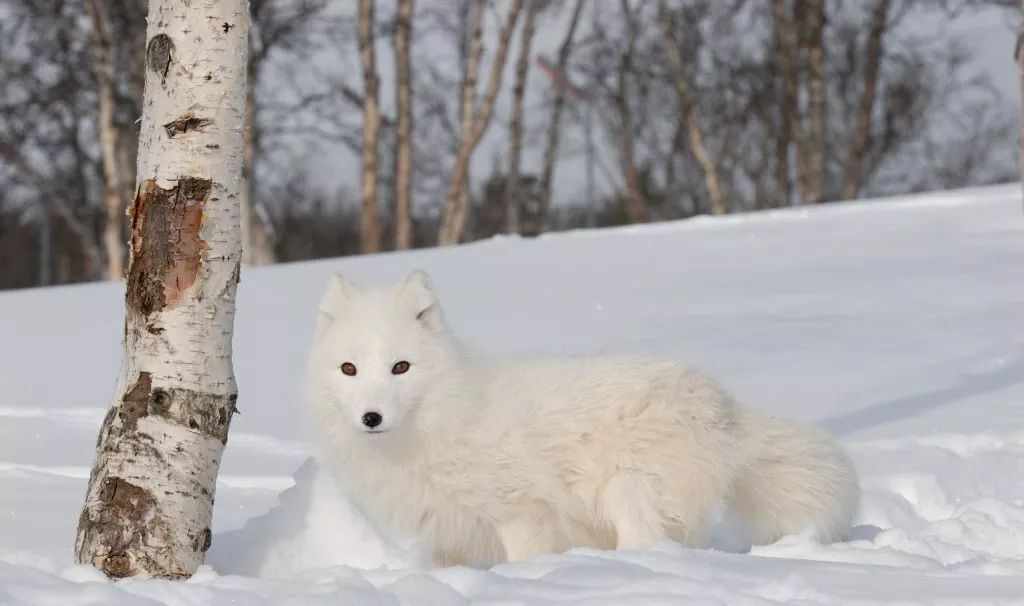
{"x": 372, "y": 419}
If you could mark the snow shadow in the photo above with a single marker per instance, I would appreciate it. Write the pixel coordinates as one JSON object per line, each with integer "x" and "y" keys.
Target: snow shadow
{"x": 898, "y": 409}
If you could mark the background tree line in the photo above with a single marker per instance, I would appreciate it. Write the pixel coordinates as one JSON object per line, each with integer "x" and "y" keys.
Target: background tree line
{"x": 378, "y": 125}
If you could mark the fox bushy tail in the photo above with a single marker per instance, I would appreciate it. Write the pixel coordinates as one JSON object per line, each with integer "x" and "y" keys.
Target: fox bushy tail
{"x": 794, "y": 478}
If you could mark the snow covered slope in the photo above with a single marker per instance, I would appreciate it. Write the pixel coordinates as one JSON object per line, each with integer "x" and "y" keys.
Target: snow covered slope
{"x": 896, "y": 324}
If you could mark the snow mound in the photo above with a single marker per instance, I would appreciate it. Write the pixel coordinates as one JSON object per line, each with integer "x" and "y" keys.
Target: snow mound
{"x": 314, "y": 526}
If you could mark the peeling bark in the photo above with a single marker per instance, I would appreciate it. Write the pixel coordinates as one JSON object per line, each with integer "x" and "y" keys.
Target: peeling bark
{"x": 184, "y": 124}
{"x": 149, "y": 503}
{"x": 135, "y": 403}
{"x": 167, "y": 246}
{"x": 126, "y": 507}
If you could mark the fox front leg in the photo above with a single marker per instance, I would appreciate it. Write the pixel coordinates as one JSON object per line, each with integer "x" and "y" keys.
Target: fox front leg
{"x": 527, "y": 536}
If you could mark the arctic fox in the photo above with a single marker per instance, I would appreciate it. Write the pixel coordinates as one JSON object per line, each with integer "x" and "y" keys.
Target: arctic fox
{"x": 486, "y": 460}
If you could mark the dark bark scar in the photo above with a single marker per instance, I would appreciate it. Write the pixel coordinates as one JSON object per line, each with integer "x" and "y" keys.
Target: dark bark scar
{"x": 186, "y": 123}
{"x": 135, "y": 403}
{"x": 159, "y": 54}
{"x": 167, "y": 244}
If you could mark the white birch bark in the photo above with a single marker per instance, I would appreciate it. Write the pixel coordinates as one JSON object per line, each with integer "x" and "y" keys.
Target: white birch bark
{"x": 475, "y": 121}
{"x": 515, "y": 128}
{"x": 369, "y": 229}
{"x": 636, "y": 201}
{"x": 1019, "y": 53}
{"x": 816, "y": 87}
{"x": 875, "y": 50}
{"x": 403, "y": 131}
{"x": 555, "y": 126}
{"x": 149, "y": 503}
{"x": 113, "y": 184}
{"x": 248, "y": 160}
{"x": 688, "y": 115}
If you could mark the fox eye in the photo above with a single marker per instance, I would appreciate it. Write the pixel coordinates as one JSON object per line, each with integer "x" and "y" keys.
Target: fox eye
{"x": 400, "y": 368}
{"x": 349, "y": 369}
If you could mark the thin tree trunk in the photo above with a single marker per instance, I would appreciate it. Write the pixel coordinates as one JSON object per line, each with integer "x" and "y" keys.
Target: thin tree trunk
{"x": 555, "y": 127}
{"x": 792, "y": 126}
{"x": 688, "y": 116}
{"x": 853, "y": 178}
{"x": 456, "y": 207}
{"x": 369, "y": 231}
{"x": 149, "y": 502}
{"x": 1020, "y": 74}
{"x": 636, "y": 202}
{"x": 675, "y": 149}
{"x": 134, "y": 39}
{"x": 815, "y": 15}
{"x": 257, "y": 232}
{"x": 403, "y": 133}
{"x": 257, "y": 245}
{"x": 515, "y": 127}
{"x": 248, "y": 159}
{"x": 590, "y": 152}
{"x": 782, "y": 139}
{"x": 103, "y": 59}
{"x": 467, "y": 95}
{"x": 45, "y": 246}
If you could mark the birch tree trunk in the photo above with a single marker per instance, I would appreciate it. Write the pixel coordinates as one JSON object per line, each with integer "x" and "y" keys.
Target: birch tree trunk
{"x": 369, "y": 230}
{"x": 45, "y": 246}
{"x": 248, "y": 160}
{"x": 783, "y": 191}
{"x": 257, "y": 229}
{"x": 636, "y": 202}
{"x": 815, "y": 15}
{"x": 104, "y": 64}
{"x": 555, "y": 128}
{"x": 403, "y": 129}
{"x": 132, "y": 39}
{"x": 515, "y": 128}
{"x": 688, "y": 115}
{"x": 784, "y": 27}
{"x": 467, "y": 93}
{"x": 149, "y": 502}
{"x": 456, "y": 204}
{"x": 1020, "y": 74}
{"x": 853, "y": 179}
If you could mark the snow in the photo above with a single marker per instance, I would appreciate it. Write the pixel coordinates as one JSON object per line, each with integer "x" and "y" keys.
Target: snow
{"x": 896, "y": 324}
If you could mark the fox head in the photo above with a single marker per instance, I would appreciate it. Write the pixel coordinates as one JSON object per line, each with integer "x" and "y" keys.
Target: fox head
{"x": 375, "y": 353}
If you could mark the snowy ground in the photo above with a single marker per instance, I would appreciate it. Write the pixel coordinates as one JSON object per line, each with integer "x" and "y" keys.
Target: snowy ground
{"x": 897, "y": 324}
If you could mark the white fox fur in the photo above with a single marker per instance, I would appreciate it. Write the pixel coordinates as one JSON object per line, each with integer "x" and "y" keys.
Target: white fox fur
{"x": 485, "y": 460}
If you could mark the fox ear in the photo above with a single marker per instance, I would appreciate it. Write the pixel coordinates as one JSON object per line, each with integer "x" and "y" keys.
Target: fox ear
{"x": 339, "y": 291}
{"x": 417, "y": 295}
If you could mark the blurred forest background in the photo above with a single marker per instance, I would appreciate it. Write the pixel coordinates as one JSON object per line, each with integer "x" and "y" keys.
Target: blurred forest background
{"x": 394, "y": 124}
